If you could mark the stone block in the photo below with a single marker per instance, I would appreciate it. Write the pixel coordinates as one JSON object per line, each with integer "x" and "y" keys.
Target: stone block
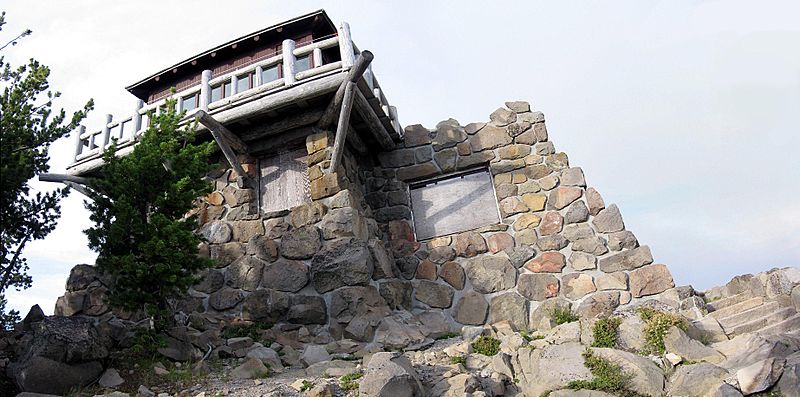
{"x": 650, "y": 280}
{"x": 538, "y": 287}
{"x": 627, "y": 260}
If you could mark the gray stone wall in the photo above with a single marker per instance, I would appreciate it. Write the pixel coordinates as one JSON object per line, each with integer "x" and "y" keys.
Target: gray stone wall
{"x": 347, "y": 263}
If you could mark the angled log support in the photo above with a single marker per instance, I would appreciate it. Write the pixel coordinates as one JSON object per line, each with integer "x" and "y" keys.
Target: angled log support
{"x": 75, "y": 182}
{"x": 227, "y": 142}
{"x": 355, "y": 73}
{"x": 343, "y": 126}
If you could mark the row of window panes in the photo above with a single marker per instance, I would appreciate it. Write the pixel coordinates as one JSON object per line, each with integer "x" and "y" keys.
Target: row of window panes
{"x": 246, "y": 81}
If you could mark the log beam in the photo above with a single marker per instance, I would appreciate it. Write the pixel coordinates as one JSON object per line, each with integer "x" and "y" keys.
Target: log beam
{"x": 355, "y": 73}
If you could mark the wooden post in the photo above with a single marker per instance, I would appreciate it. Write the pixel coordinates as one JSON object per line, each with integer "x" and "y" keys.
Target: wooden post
{"x": 346, "y": 45}
{"x": 234, "y": 86}
{"x": 344, "y": 124}
{"x": 353, "y": 75}
{"x": 79, "y": 142}
{"x": 106, "y": 132}
{"x": 205, "y": 90}
{"x": 316, "y": 57}
{"x": 137, "y": 118}
{"x": 395, "y": 121}
{"x": 257, "y": 76}
{"x": 179, "y": 104}
{"x": 288, "y": 62}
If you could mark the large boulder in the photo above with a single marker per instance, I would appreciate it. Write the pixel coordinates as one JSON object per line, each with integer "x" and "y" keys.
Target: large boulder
{"x": 549, "y": 368}
{"x": 390, "y": 374}
{"x": 71, "y": 347}
{"x": 677, "y": 342}
{"x": 696, "y": 380}
{"x": 343, "y": 262}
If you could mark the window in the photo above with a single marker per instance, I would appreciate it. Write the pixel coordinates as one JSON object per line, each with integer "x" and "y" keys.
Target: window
{"x": 284, "y": 180}
{"x": 271, "y": 73}
{"x": 191, "y": 102}
{"x": 303, "y": 63}
{"x": 220, "y": 91}
{"x": 454, "y": 204}
{"x": 244, "y": 82}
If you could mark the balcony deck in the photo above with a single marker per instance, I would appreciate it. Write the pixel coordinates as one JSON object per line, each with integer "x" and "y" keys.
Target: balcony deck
{"x": 264, "y": 98}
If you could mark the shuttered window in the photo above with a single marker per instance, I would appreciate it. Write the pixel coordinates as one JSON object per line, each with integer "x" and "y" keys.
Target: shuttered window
{"x": 454, "y": 204}
{"x": 284, "y": 180}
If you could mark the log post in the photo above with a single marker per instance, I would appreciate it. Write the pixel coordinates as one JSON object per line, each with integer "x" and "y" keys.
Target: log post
{"x": 205, "y": 90}
{"x": 137, "y": 118}
{"x": 78, "y": 142}
{"x": 346, "y": 45}
{"x": 343, "y": 126}
{"x": 234, "y": 85}
{"x": 288, "y": 62}
{"x": 257, "y": 77}
{"x": 316, "y": 57}
{"x": 106, "y": 132}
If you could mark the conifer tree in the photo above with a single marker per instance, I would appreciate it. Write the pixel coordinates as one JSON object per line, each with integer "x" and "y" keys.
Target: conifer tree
{"x": 28, "y": 125}
{"x": 144, "y": 237}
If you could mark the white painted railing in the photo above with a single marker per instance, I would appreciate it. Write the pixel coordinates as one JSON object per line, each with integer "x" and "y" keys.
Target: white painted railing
{"x": 90, "y": 145}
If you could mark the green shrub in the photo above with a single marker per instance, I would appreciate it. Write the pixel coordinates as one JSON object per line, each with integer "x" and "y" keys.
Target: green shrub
{"x": 605, "y": 332}
{"x": 657, "y": 323}
{"x": 448, "y": 335}
{"x": 562, "y": 315}
{"x": 458, "y": 360}
{"x": 486, "y": 345}
{"x": 606, "y": 376}
{"x": 252, "y": 330}
{"x": 348, "y": 382}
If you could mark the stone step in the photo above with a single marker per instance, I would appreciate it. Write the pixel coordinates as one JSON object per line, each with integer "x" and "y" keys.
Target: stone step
{"x": 760, "y": 323}
{"x": 738, "y": 307}
{"x": 748, "y": 315}
{"x": 789, "y": 326}
{"x": 731, "y": 300}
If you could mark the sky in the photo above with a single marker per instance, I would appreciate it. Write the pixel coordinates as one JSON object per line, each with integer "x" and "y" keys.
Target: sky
{"x": 683, "y": 113}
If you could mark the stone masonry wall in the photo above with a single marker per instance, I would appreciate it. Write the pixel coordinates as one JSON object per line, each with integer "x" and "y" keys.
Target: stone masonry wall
{"x": 346, "y": 265}
{"x": 557, "y": 244}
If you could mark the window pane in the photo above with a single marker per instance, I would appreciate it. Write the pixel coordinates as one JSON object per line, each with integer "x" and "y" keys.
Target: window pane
{"x": 270, "y": 74}
{"x": 243, "y": 83}
{"x": 190, "y": 102}
{"x": 453, "y": 205}
{"x": 216, "y": 93}
{"x": 284, "y": 180}
{"x": 302, "y": 64}
{"x": 227, "y": 89}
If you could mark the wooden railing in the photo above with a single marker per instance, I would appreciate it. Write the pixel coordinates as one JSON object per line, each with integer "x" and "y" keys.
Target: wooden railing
{"x": 90, "y": 145}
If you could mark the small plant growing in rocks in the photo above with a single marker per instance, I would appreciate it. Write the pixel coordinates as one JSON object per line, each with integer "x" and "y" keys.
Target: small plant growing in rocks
{"x": 458, "y": 360}
{"x": 607, "y": 376}
{"x": 605, "y": 332}
{"x": 528, "y": 337}
{"x": 348, "y": 382}
{"x": 486, "y": 345}
{"x": 562, "y": 315}
{"x": 657, "y": 323}
{"x": 306, "y": 386}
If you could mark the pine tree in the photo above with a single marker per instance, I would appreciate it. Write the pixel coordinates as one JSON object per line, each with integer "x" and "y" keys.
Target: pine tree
{"x": 28, "y": 126}
{"x": 144, "y": 237}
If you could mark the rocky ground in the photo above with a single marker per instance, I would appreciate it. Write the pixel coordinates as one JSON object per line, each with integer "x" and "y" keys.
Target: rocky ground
{"x": 739, "y": 339}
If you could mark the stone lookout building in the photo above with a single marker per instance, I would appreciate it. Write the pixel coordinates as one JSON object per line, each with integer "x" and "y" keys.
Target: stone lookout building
{"x": 332, "y": 221}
